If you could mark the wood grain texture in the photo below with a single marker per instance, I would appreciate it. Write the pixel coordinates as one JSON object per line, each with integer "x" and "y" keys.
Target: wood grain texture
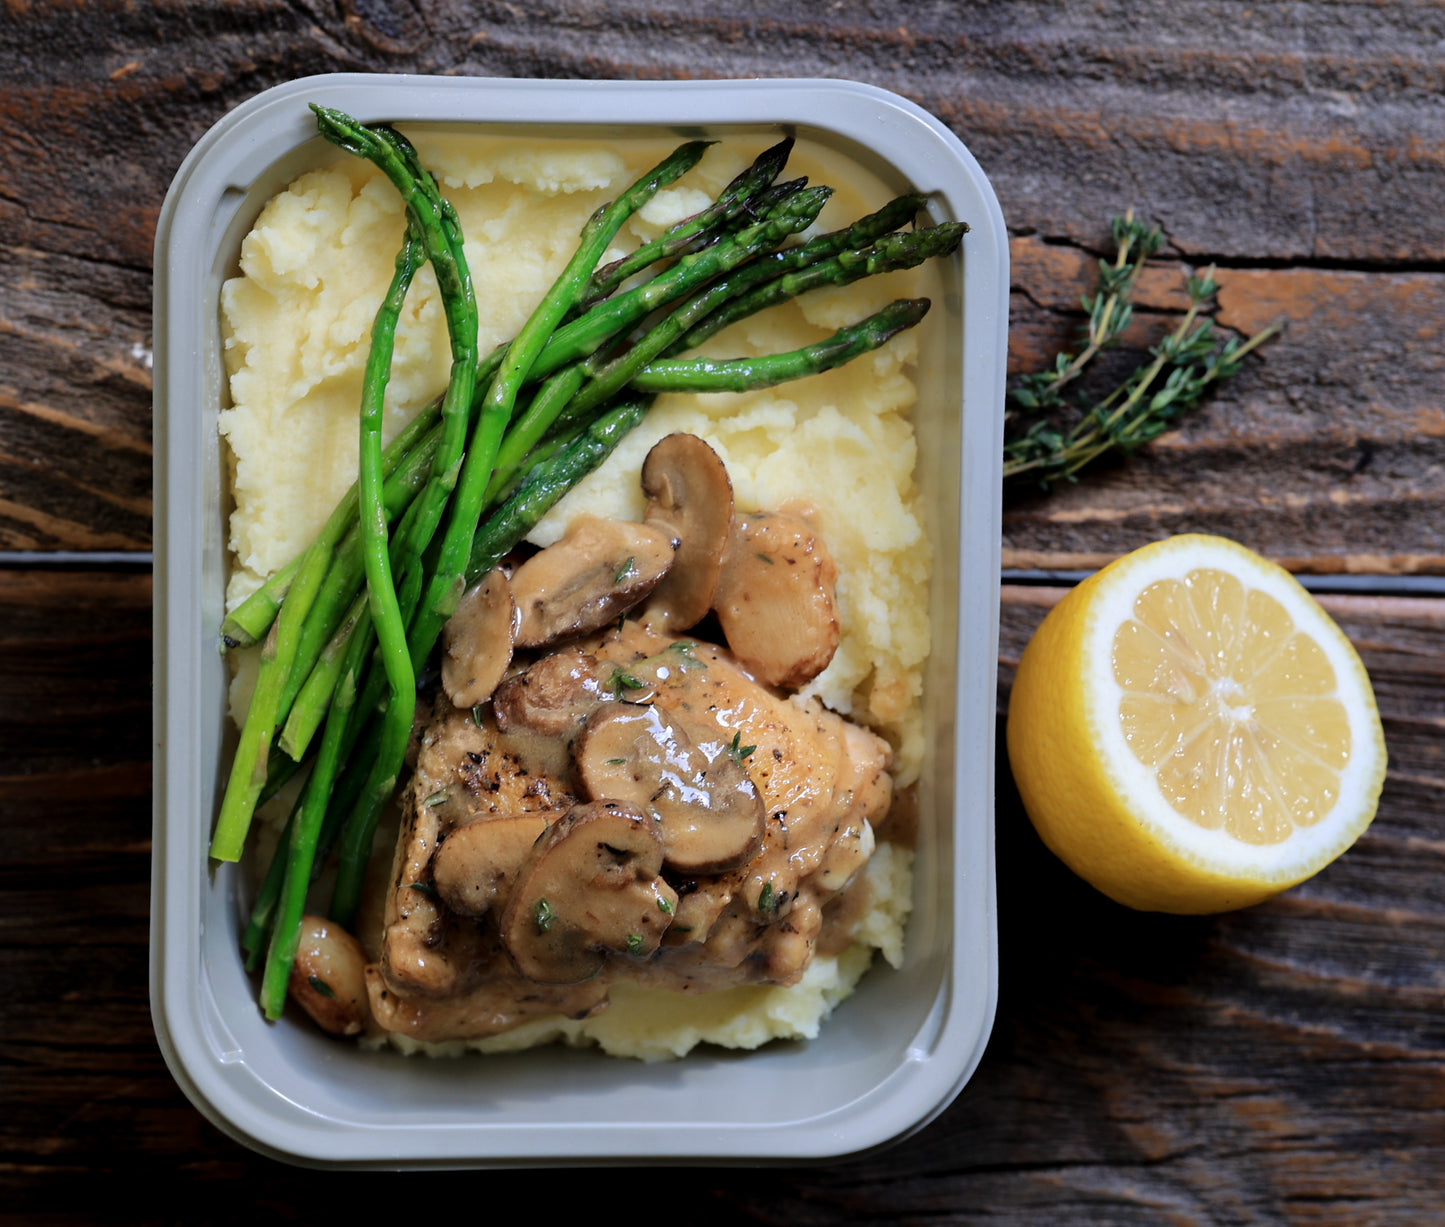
{"x": 1285, "y": 1064}
{"x": 1325, "y": 453}
{"x": 1280, "y": 1065}
{"x": 1304, "y": 151}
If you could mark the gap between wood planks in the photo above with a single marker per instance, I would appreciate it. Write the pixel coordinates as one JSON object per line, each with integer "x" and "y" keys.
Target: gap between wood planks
{"x": 1360, "y": 585}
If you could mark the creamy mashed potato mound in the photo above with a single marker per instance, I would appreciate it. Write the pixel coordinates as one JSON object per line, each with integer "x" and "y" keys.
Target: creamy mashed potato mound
{"x": 838, "y": 446}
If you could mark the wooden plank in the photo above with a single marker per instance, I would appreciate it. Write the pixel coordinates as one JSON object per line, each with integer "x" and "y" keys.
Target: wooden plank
{"x": 1323, "y": 453}
{"x": 1281, "y": 1064}
{"x": 1308, "y": 155}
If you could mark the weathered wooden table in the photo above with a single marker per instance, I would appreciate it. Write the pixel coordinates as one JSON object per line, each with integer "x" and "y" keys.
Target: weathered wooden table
{"x": 1282, "y": 1064}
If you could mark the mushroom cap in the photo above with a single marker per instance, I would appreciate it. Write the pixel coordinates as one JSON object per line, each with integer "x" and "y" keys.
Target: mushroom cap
{"x": 598, "y": 571}
{"x": 709, "y": 812}
{"x": 475, "y": 866}
{"x": 554, "y": 695}
{"x": 328, "y": 977}
{"x": 591, "y": 887}
{"x": 689, "y": 495}
{"x": 477, "y": 640}
{"x": 775, "y": 599}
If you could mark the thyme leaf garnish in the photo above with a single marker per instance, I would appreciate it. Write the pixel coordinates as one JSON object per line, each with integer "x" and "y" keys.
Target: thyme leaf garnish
{"x": 739, "y": 752}
{"x": 622, "y": 680}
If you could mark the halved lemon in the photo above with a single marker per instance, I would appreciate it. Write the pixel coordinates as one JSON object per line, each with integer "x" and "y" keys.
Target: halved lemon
{"x": 1191, "y": 732}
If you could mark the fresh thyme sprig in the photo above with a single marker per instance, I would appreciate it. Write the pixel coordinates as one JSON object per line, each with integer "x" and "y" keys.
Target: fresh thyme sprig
{"x": 1153, "y": 396}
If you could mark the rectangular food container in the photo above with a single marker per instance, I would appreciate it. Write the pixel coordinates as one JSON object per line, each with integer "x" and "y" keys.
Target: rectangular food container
{"x": 892, "y": 1056}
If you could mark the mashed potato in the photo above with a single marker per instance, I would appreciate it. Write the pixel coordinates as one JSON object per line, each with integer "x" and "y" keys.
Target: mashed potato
{"x": 296, "y": 326}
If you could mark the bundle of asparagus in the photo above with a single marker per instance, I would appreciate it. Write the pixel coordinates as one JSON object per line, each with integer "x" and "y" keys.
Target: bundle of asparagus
{"x": 350, "y": 624}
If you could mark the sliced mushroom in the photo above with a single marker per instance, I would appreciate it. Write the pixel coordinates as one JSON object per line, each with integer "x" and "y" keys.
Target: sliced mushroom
{"x": 688, "y": 495}
{"x": 554, "y": 696}
{"x": 598, "y": 571}
{"x": 477, "y": 640}
{"x": 476, "y": 865}
{"x": 328, "y": 978}
{"x": 710, "y": 813}
{"x": 591, "y": 887}
{"x": 776, "y": 601}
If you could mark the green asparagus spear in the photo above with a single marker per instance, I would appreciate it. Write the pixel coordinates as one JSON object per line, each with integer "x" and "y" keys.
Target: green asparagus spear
{"x": 249, "y": 768}
{"x": 281, "y": 903}
{"x": 693, "y": 232}
{"x": 745, "y": 374}
{"x": 796, "y": 213}
{"x": 391, "y": 634}
{"x": 435, "y": 225}
{"x": 548, "y": 481}
{"x": 839, "y": 258}
{"x": 890, "y": 253}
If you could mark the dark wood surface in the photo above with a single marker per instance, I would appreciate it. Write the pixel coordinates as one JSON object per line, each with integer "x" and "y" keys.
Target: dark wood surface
{"x": 1285, "y": 1064}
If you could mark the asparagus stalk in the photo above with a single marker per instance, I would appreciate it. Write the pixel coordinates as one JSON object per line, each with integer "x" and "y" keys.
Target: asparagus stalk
{"x": 692, "y": 233}
{"x": 789, "y": 216}
{"x": 391, "y": 633}
{"x": 249, "y": 768}
{"x": 343, "y": 580}
{"x": 435, "y": 226}
{"x": 547, "y": 481}
{"x": 890, "y": 253}
{"x": 303, "y": 844}
{"x": 745, "y": 374}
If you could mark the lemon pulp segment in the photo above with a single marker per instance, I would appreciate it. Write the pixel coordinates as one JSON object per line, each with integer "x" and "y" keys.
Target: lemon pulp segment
{"x": 1232, "y": 706}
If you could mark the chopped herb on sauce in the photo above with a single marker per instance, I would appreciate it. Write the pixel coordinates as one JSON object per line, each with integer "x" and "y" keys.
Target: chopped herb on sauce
{"x": 739, "y": 752}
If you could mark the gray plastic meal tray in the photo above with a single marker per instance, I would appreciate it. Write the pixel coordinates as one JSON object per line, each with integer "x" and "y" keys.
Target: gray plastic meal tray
{"x": 892, "y": 1056}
